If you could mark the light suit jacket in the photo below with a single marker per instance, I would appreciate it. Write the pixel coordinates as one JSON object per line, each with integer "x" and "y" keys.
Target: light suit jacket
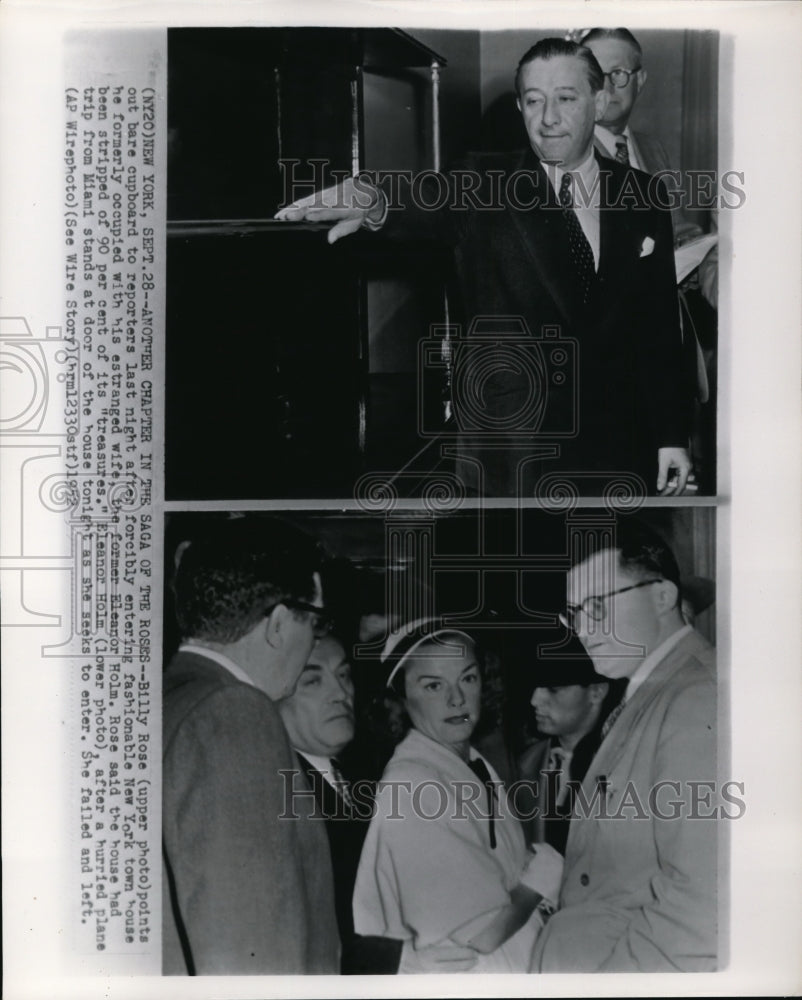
{"x": 639, "y": 893}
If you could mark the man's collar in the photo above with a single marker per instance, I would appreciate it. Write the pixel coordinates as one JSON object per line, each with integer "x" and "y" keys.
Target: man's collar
{"x": 587, "y": 172}
{"x": 587, "y": 169}
{"x": 608, "y": 139}
{"x": 198, "y": 649}
{"x": 322, "y": 764}
{"x": 656, "y": 656}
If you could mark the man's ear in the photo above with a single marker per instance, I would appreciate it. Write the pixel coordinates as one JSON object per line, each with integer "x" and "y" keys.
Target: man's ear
{"x": 598, "y": 692}
{"x": 641, "y": 77}
{"x": 666, "y": 596}
{"x": 518, "y": 104}
{"x": 601, "y": 99}
{"x": 274, "y": 626}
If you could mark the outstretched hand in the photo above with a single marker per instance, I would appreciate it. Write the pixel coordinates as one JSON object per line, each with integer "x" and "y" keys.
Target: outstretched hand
{"x": 348, "y": 205}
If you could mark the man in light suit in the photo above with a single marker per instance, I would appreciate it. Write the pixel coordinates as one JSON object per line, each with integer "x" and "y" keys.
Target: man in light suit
{"x": 620, "y": 56}
{"x": 246, "y": 891}
{"x": 639, "y": 884}
{"x": 550, "y": 245}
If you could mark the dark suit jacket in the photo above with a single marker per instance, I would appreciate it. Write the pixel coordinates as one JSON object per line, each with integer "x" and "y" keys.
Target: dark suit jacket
{"x": 654, "y": 159}
{"x": 346, "y": 832}
{"x": 543, "y": 820}
{"x": 245, "y": 892}
{"x": 625, "y": 397}
{"x": 346, "y": 835}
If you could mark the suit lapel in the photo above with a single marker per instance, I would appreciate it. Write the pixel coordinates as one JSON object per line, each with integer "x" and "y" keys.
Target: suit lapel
{"x": 545, "y": 237}
{"x": 612, "y": 748}
{"x": 326, "y": 797}
{"x": 616, "y": 234}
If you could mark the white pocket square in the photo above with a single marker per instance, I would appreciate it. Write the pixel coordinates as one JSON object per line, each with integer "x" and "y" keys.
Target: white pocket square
{"x": 646, "y": 247}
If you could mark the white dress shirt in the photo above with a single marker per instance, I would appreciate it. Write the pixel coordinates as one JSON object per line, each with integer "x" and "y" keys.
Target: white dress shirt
{"x": 608, "y": 139}
{"x": 322, "y": 764}
{"x": 586, "y": 197}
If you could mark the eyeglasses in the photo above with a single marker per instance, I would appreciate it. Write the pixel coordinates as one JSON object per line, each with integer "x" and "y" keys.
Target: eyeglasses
{"x": 322, "y": 620}
{"x": 595, "y": 607}
{"x": 620, "y": 77}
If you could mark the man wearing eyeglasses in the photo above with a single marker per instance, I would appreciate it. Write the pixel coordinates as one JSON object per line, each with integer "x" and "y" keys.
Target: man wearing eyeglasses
{"x": 245, "y": 890}
{"x": 620, "y": 56}
{"x": 639, "y": 884}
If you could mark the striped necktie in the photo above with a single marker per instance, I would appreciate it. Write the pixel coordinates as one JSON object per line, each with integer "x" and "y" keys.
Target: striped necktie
{"x": 609, "y": 722}
{"x": 560, "y": 762}
{"x": 622, "y": 150}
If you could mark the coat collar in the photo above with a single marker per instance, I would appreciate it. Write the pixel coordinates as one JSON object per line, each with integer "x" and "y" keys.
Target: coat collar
{"x": 611, "y": 749}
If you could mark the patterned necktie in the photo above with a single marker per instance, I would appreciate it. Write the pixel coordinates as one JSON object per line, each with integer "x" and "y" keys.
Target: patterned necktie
{"x": 622, "y": 150}
{"x": 559, "y": 762}
{"x": 340, "y": 783}
{"x": 610, "y": 720}
{"x": 479, "y": 768}
{"x": 579, "y": 248}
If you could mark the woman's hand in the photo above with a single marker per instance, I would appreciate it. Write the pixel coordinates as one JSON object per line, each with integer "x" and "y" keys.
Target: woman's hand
{"x": 448, "y": 957}
{"x": 544, "y": 872}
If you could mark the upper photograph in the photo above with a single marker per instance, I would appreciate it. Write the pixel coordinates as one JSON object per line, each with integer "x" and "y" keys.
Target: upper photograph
{"x": 483, "y": 263}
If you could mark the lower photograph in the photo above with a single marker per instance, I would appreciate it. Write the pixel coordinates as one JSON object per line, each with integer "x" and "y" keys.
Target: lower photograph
{"x": 409, "y": 741}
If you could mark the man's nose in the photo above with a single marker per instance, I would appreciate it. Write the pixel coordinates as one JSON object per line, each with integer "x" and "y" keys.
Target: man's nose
{"x": 538, "y": 696}
{"x": 551, "y": 112}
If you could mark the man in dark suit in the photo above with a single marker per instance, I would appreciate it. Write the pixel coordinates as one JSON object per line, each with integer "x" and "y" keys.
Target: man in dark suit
{"x": 571, "y": 702}
{"x": 641, "y": 874}
{"x": 319, "y": 718}
{"x": 572, "y": 357}
{"x": 246, "y": 891}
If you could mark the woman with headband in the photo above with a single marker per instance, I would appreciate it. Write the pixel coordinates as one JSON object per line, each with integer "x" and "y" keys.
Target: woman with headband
{"x": 444, "y": 862}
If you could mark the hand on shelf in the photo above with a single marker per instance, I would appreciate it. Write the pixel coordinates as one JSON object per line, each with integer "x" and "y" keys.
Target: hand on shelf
{"x": 354, "y": 204}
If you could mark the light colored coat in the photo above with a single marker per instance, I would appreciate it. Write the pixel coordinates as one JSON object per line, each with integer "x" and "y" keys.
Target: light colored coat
{"x": 639, "y": 894}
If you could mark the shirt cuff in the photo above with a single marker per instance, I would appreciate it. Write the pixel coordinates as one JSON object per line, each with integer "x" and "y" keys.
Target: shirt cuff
{"x": 374, "y": 225}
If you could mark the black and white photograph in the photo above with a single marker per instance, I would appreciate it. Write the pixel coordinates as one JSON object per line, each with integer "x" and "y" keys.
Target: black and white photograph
{"x": 399, "y": 453}
{"x": 538, "y": 294}
{"x": 535, "y": 694}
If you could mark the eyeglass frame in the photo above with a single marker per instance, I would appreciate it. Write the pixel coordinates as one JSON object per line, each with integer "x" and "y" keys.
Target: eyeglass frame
{"x": 572, "y": 610}
{"x": 629, "y": 73}
{"x": 323, "y": 620}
